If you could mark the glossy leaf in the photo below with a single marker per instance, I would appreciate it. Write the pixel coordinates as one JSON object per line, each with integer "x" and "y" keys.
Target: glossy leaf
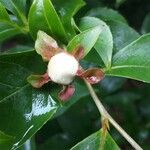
{"x": 146, "y": 23}
{"x": 93, "y": 142}
{"x": 106, "y": 14}
{"x": 26, "y": 114}
{"x": 122, "y": 35}
{"x": 104, "y": 43}
{"x": 7, "y": 31}
{"x": 42, "y": 16}
{"x": 67, "y": 10}
{"x": 17, "y": 7}
{"x": 133, "y": 61}
{"x": 86, "y": 39}
{"x": 26, "y": 108}
{"x": 54, "y": 20}
{"x": 37, "y": 20}
{"x": 7, "y": 28}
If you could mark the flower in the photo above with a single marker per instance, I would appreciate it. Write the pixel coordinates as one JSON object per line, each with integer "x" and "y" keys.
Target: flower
{"x": 62, "y": 66}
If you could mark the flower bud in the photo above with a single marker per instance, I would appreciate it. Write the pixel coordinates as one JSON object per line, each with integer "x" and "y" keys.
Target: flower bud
{"x": 62, "y": 68}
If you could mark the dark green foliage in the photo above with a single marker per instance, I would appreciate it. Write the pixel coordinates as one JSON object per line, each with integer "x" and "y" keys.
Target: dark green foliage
{"x": 110, "y": 32}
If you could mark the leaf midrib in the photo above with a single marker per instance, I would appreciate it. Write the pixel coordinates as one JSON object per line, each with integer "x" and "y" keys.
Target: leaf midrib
{"x": 18, "y": 88}
{"x": 129, "y": 66}
{"x": 8, "y": 85}
{"x": 129, "y": 45}
{"x": 16, "y": 53}
{"x": 23, "y": 18}
{"x": 12, "y": 94}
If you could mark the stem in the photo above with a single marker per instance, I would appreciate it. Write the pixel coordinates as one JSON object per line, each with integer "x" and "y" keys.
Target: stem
{"x": 106, "y": 115}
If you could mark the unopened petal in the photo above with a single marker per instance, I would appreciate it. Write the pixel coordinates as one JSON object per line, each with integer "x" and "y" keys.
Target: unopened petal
{"x": 78, "y": 52}
{"x": 46, "y": 46}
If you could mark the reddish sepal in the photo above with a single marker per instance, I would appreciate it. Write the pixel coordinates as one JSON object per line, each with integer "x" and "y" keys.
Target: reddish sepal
{"x": 93, "y": 75}
{"x": 67, "y": 92}
{"x": 38, "y": 81}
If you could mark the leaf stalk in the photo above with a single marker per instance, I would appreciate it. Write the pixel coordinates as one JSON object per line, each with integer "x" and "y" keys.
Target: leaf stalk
{"x": 106, "y": 115}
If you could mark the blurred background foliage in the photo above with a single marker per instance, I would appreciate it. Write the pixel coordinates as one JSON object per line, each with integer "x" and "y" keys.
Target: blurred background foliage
{"x": 128, "y": 101}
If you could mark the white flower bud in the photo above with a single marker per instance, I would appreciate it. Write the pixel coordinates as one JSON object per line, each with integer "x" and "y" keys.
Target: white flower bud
{"x": 62, "y": 68}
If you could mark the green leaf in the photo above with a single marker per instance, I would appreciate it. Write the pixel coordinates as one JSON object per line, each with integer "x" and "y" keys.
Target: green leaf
{"x": 122, "y": 35}
{"x": 37, "y": 19}
{"x": 18, "y": 49}
{"x": 5, "y": 140}
{"x": 27, "y": 111}
{"x": 94, "y": 58}
{"x": 104, "y": 43}
{"x": 23, "y": 109}
{"x": 86, "y": 39}
{"x": 17, "y": 7}
{"x": 4, "y": 15}
{"x": 93, "y": 142}
{"x": 7, "y": 31}
{"x": 26, "y": 59}
{"x": 66, "y": 11}
{"x": 7, "y": 28}
{"x": 133, "y": 61}
{"x": 106, "y": 14}
{"x": 42, "y": 16}
{"x": 145, "y": 25}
